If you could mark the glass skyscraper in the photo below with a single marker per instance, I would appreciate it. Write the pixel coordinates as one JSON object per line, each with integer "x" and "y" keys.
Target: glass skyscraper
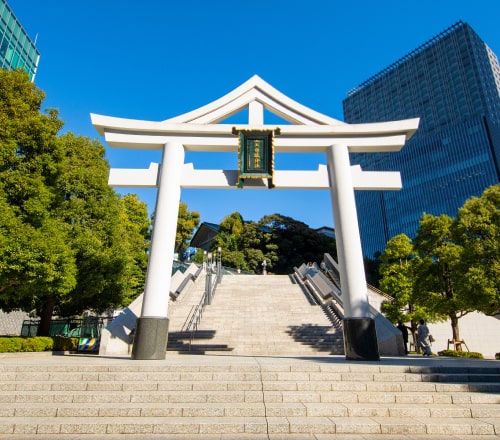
{"x": 16, "y": 48}
{"x": 452, "y": 82}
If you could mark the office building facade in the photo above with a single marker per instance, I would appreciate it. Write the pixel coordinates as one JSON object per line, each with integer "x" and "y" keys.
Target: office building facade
{"x": 451, "y": 82}
{"x": 17, "y": 50}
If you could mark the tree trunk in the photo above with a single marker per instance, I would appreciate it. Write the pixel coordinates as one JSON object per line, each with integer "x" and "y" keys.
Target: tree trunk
{"x": 454, "y": 328}
{"x": 46, "y": 316}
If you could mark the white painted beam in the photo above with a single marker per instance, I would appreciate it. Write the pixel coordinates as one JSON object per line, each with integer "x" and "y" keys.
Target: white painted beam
{"x": 133, "y": 177}
{"x": 228, "y": 179}
{"x": 375, "y": 180}
{"x": 229, "y": 142}
{"x": 134, "y": 126}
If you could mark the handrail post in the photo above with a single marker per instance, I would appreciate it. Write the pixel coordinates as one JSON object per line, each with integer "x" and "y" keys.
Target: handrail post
{"x": 208, "y": 286}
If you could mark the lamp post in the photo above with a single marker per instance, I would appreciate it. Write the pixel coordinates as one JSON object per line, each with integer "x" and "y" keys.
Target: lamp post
{"x": 208, "y": 279}
{"x": 219, "y": 264}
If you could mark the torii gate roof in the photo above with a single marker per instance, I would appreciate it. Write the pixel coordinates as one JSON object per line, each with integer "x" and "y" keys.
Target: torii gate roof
{"x": 201, "y": 130}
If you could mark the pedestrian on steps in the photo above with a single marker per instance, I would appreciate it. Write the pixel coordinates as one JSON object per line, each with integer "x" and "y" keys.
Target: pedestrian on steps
{"x": 423, "y": 338}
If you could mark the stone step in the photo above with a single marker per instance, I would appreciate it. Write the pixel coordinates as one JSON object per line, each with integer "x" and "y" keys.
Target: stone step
{"x": 256, "y": 409}
{"x": 83, "y": 363}
{"x": 447, "y": 396}
{"x": 200, "y": 384}
{"x": 156, "y": 379}
{"x": 250, "y": 425}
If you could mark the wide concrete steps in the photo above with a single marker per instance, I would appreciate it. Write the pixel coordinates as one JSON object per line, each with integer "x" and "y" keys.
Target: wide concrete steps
{"x": 258, "y": 315}
{"x": 251, "y": 397}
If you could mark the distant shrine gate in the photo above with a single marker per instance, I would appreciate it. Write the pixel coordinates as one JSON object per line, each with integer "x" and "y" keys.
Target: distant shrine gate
{"x": 255, "y": 142}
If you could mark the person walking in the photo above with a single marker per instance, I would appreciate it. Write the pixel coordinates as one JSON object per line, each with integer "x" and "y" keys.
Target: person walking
{"x": 404, "y": 330}
{"x": 423, "y": 338}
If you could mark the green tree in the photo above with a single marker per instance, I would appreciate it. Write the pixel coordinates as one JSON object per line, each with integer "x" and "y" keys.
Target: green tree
{"x": 92, "y": 212}
{"x": 187, "y": 221}
{"x": 232, "y": 224}
{"x": 37, "y": 264}
{"x": 451, "y": 269}
{"x": 295, "y": 243}
{"x": 231, "y": 254}
{"x": 397, "y": 268}
{"x": 257, "y": 245}
{"x": 439, "y": 283}
{"x": 478, "y": 230}
{"x": 229, "y": 241}
{"x": 137, "y": 239}
{"x": 281, "y": 241}
{"x": 64, "y": 244}
{"x": 198, "y": 256}
{"x": 36, "y": 259}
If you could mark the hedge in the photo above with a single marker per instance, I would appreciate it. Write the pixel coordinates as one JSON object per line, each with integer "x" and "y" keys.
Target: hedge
{"x": 37, "y": 343}
{"x": 461, "y": 354}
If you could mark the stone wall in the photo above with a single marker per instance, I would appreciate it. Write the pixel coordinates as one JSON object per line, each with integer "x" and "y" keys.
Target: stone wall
{"x": 11, "y": 323}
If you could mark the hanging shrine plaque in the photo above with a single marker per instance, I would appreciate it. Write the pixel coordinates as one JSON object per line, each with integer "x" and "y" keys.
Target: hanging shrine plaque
{"x": 255, "y": 155}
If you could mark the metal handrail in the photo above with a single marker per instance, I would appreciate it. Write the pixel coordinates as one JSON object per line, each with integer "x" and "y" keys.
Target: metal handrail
{"x": 198, "y": 313}
{"x": 205, "y": 299}
{"x": 187, "y": 317}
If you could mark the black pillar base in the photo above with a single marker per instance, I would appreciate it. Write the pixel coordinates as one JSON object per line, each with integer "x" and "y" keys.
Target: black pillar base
{"x": 360, "y": 339}
{"x": 150, "y": 341}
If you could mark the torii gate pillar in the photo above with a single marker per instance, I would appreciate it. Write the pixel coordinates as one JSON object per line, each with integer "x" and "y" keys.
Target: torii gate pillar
{"x": 152, "y": 326}
{"x": 360, "y": 337}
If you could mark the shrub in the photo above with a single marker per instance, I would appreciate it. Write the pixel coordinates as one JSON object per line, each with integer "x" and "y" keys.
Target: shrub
{"x": 37, "y": 344}
{"x": 497, "y": 356}
{"x": 62, "y": 343}
{"x": 10, "y": 345}
{"x": 461, "y": 354}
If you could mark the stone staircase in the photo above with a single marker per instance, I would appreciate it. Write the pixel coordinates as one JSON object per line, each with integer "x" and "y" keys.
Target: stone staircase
{"x": 231, "y": 397}
{"x": 267, "y": 372}
{"x": 256, "y": 315}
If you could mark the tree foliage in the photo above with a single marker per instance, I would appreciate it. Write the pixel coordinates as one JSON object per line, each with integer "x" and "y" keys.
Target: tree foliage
{"x": 187, "y": 221}
{"x": 478, "y": 229}
{"x": 135, "y": 221}
{"x": 439, "y": 280}
{"x": 280, "y": 241}
{"x": 450, "y": 269}
{"x": 66, "y": 244}
{"x": 397, "y": 270}
{"x": 295, "y": 243}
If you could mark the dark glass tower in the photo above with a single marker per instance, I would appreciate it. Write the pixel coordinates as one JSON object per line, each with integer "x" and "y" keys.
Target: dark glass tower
{"x": 16, "y": 48}
{"x": 452, "y": 82}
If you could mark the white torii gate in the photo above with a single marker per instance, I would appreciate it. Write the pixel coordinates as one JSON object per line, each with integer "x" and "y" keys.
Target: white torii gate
{"x": 309, "y": 132}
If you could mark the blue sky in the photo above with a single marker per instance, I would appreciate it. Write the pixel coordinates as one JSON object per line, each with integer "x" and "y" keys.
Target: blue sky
{"x": 155, "y": 59}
